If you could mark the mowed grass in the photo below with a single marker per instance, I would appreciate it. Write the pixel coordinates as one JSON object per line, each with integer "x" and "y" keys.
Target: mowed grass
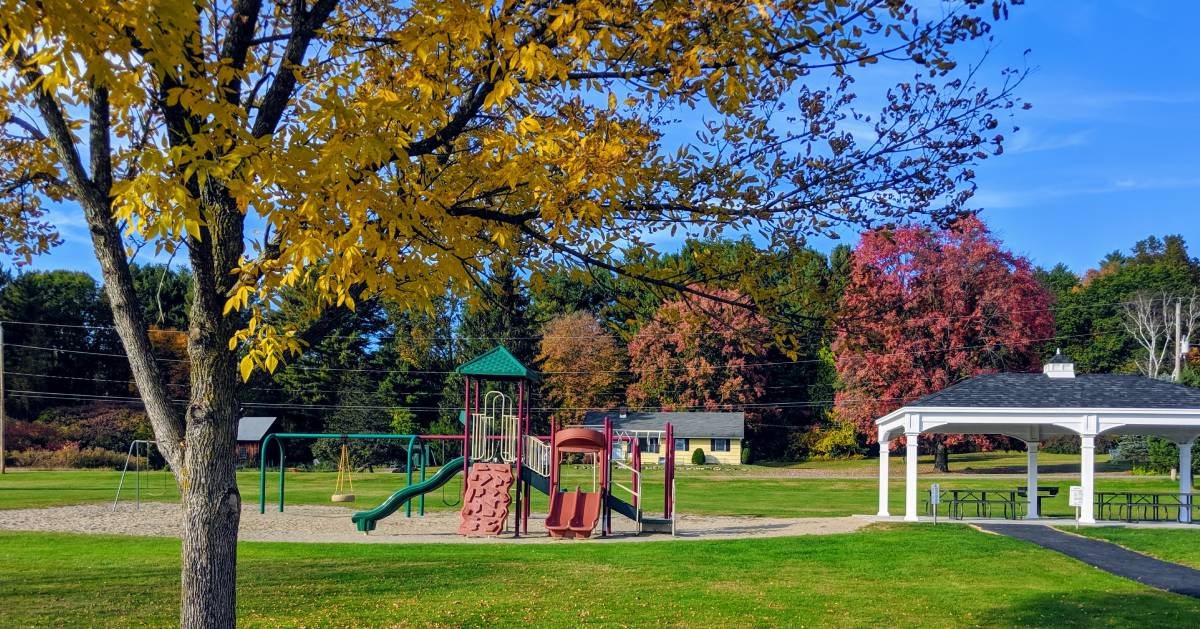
{"x": 748, "y": 491}
{"x": 888, "y": 576}
{"x": 1178, "y": 545}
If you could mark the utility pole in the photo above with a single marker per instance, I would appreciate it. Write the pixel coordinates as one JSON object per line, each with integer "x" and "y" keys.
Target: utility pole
{"x": 1, "y": 398}
{"x": 1178, "y": 341}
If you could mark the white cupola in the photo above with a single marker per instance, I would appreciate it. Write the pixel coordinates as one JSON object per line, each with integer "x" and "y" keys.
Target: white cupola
{"x": 1059, "y": 367}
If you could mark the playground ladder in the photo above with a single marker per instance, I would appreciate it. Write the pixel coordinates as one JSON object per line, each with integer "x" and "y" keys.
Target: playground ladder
{"x": 481, "y": 444}
{"x": 509, "y": 430}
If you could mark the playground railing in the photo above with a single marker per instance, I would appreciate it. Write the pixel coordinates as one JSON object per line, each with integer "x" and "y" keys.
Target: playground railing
{"x": 537, "y": 453}
{"x": 481, "y": 444}
{"x": 635, "y": 491}
{"x": 509, "y": 430}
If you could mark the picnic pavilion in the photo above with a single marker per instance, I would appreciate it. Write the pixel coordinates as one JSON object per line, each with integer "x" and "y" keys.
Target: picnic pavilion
{"x": 1033, "y": 406}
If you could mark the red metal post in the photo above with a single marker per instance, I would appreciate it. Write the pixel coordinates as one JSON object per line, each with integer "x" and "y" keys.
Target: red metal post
{"x": 466, "y": 431}
{"x": 519, "y": 512}
{"x": 526, "y": 432}
{"x": 553, "y": 459}
{"x": 607, "y": 511}
{"x": 635, "y": 476}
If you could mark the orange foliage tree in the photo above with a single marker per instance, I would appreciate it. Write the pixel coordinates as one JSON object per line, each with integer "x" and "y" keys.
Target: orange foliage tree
{"x": 701, "y": 354}
{"x": 582, "y": 365}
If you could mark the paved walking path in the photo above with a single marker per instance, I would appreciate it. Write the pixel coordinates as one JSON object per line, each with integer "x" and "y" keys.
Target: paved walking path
{"x": 1107, "y": 556}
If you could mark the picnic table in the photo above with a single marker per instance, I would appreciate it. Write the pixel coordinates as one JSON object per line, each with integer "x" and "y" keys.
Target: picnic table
{"x": 1132, "y": 506}
{"x": 958, "y": 501}
{"x": 1043, "y": 491}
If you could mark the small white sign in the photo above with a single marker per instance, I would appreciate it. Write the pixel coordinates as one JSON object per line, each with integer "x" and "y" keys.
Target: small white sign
{"x": 1076, "y": 498}
{"x": 935, "y": 494}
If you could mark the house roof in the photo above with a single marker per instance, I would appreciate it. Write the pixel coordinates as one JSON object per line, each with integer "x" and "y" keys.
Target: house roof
{"x": 497, "y": 363}
{"x": 1035, "y": 390}
{"x": 254, "y": 428}
{"x": 696, "y": 425}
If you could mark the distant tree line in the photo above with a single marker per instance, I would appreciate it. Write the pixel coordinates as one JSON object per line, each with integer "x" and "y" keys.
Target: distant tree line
{"x": 831, "y": 341}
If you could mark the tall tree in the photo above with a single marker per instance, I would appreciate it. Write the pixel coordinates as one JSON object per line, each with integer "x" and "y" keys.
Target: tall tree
{"x": 926, "y": 308}
{"x": 700, "y": 354}
{"x": 582, "y": 365}
{"x": 393, "y": 148}
{"x": 55, "y": 315}
{"x": 1092, "y": 315}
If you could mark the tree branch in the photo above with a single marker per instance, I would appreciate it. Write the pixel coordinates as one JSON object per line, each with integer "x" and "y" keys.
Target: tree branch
{"x": 106, "y": 239}
{"x": 275, "y": 101}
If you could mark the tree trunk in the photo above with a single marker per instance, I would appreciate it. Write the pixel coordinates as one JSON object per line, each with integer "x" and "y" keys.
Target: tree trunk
{"x": 212, "y": 505}
{"x": 941, "y": 456}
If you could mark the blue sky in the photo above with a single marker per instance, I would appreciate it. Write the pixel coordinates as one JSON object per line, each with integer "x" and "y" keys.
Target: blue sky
{"x": 1107, "y": 155}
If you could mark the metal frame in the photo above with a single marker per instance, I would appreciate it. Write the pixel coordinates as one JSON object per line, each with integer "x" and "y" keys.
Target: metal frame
{"x": 137, "y": 474}
{"x": 280, "y": 436}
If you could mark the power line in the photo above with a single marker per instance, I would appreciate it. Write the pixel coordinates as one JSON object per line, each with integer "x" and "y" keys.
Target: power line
{"x": 728, "y": 366}
{"x": 457, "y": 337}
{"x": 543, "y": 409}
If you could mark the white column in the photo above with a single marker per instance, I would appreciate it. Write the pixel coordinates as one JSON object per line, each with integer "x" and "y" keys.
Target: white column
{"x": 1031, "y": 482}
{"x": 1087, "y": 476}
{"x": 910, "y": 476}
{"x": 884, "y": 447}
{"x": 1185, "y": 478}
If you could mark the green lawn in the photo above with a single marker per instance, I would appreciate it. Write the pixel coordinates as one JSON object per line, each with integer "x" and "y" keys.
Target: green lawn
{"x": 900, "y": 576}
{"x": 739, "y": 491}
{"x": 1178, "y": 545}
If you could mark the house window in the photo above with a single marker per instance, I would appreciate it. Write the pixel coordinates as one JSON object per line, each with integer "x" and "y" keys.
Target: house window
{"x": 648, "y": 444}
{"x": 720, "y": 445}
{"x": 681, "y": 445}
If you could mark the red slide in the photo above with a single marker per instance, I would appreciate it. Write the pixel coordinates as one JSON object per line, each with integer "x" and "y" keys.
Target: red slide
{"x": 573, "y": 514}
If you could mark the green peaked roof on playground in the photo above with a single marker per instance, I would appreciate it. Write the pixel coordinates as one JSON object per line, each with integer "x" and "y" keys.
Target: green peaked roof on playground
{"x": 497, "y": 362}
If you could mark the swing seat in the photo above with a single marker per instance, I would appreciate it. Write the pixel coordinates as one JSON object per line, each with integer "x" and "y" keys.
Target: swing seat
{"x": 341, "y": 498}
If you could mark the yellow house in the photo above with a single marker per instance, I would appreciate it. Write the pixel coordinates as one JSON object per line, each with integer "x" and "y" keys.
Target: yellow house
{"x": 718, "y": 435}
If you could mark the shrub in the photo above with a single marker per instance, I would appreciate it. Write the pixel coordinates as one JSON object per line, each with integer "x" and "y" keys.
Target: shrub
{"x": 698, "y": 457}
{"x": 839, "y": 440}
{"x": 1069, "y": 444}
{"x": 104, "y": 426}
{"x": 71, "y": 457}
{"x": 1150, "y": 455}
{"x": 22, "y": 435}
{"x": 746, "y": 458}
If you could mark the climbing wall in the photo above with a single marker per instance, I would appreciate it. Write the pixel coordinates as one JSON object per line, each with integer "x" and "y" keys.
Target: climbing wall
{"x": 485, "y": 504}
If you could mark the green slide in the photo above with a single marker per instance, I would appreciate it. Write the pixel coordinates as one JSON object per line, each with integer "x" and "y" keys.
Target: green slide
{"x": 366, "y": 519}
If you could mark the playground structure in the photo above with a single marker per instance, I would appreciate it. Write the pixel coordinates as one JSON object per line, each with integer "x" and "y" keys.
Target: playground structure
{"x": 503, "y": 461}
{"x": 417, "y": 447}
{"x": 499, "y": 442}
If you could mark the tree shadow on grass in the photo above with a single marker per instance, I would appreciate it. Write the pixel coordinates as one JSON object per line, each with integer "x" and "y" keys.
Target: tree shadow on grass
{"x": 1091, "y": 609}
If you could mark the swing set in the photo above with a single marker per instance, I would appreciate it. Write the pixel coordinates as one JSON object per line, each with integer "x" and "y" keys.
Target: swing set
{"x": 416, "y": 451}
{"x": 137, "y": 449}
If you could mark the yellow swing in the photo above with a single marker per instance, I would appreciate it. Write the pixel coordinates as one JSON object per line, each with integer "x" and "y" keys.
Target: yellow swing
{"x": 343, "y": 477}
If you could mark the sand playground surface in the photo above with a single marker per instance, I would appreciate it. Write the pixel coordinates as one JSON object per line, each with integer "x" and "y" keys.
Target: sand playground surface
{"x": 311, "y": 523}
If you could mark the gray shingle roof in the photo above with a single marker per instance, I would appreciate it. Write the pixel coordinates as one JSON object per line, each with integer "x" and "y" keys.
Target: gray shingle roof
{"x": 697, "y": 425}
{"x": 1035, "y": 390}
{"x": 254, "y": 428}
{"x": 1059, "y": 358}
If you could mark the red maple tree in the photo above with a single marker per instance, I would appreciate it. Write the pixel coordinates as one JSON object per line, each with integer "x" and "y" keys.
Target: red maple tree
{"x": 700, "y": 354}
{"x": 924, "y": 309}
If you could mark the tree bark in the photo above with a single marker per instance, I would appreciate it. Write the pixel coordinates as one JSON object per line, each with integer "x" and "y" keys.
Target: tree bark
{"x": 211, "y": 503}
{"x": 941, "y": 456}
